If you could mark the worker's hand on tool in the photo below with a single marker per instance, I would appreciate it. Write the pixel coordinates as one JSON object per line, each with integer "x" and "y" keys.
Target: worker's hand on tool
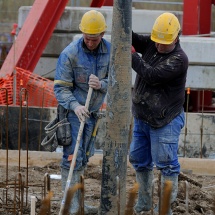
{"x": 81, "y": 112}
{"x": 132, "y": 49}
{"x": 94, "y": 82}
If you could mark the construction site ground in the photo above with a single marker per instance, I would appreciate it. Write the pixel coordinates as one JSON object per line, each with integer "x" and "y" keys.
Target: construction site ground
{"x": 201, "y": 189}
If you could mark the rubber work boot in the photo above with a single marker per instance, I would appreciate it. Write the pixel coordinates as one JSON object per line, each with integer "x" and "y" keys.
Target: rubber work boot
{"x": 144, "y": 202}
{"x": 174, "y": 180}
{"x": 74, "y": 208}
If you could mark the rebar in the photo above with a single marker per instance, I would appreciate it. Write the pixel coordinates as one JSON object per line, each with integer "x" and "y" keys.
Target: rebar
{"x": 41, "y": 116}
{"x": 20, "y": 122}
{"x": 19, "y": 185}
{"x": 47, "y": 187}
{"x": 183, "y": 177}
{"x": 45, "y": 207}
{"x": 25, "y": 102}
{"x": 185, "y": 129}
{"x": 186, "y": 184}
{"x": 201, "y": 128}
{"x": 7, "y": 137}
{"x": 20, "y": 194}
{"x": 47, "y": 190}
{"x": 82, "y": 195}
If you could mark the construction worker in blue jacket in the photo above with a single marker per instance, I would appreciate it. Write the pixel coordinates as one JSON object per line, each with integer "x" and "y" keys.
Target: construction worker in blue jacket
{"x": 157, "y": 106}
{"x": 82, "y": 64}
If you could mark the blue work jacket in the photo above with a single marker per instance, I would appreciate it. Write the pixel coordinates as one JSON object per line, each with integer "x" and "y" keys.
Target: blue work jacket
{"x": 74, "y": 66}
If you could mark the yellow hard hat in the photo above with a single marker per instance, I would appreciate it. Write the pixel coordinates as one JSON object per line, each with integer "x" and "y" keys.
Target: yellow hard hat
{"x": 165, "y": 29}
{"x": 92, "y": 22}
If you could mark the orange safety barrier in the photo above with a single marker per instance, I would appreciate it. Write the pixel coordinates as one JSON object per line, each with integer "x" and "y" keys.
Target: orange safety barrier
{"x": 6, "y": 83}
{"x": 40, "y": 90}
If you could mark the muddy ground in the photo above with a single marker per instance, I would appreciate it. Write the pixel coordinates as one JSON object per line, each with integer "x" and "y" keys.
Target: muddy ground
{"x": 201, "y": 191}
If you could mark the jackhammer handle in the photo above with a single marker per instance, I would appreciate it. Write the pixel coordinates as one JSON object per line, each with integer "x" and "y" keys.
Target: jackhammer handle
{"x": 89, "y": 94}
{"x": 78, "y": 138}
{"x": 75, "y": 153}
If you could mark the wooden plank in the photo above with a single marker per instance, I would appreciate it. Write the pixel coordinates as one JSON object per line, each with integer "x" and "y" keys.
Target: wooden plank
{"x": 195, "y": 165}
{"x": 198, "y": 166}
{"x": 36, "y": 158}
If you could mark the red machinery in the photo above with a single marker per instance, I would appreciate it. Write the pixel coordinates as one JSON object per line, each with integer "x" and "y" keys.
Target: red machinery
{"x": 197, "y": 21}
{"x": 100, "y": 3}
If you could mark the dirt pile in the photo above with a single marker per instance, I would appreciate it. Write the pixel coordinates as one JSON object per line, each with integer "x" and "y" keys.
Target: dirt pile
{"x": 200, "y": 189}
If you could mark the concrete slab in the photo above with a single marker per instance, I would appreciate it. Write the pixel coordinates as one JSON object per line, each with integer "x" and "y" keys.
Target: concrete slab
{"x": 200, "y": 132}
{"x": 198, "y": 77}
{"x": 200, "y": 50}
{"x": 201, "y": 77}
{"x": 57, "y": 43}
{"x": 46, "y": 67}
{"x": 201, "y": 73}
{"x": 142, "y": 20}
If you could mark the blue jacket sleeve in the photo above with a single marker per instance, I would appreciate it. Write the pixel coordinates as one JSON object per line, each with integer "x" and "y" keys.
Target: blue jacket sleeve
{"x": 63, "y": 83}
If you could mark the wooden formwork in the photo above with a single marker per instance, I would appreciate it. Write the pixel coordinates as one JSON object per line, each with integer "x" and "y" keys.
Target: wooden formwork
{"x": 193, "y": 165}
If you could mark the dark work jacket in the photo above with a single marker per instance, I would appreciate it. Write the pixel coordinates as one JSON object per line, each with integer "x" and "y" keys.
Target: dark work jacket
{"x": 159, "y": 90}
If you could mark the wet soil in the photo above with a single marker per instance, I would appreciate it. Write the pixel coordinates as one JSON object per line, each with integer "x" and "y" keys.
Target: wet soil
{"x": 200, "y": 190}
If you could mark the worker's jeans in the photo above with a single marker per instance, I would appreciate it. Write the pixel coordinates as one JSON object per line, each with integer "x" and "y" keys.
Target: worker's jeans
{"x": 156, "y": 146}
{"x": 82, "y": 157}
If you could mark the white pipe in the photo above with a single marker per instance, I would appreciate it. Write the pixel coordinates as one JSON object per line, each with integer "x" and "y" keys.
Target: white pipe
{"x": 33, "y": 204}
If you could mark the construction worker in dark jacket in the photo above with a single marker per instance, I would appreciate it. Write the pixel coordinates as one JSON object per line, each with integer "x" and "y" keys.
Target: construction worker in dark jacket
{"x": 82, "y": 64}
{"x": 157, "y": 106}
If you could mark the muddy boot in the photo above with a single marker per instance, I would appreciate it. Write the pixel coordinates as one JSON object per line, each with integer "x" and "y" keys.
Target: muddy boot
{"x": 74, "y": 208}
{"x": 174, "y": 180}
{"x": 144, "y": 202}
{"x": 90, "y": 209}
